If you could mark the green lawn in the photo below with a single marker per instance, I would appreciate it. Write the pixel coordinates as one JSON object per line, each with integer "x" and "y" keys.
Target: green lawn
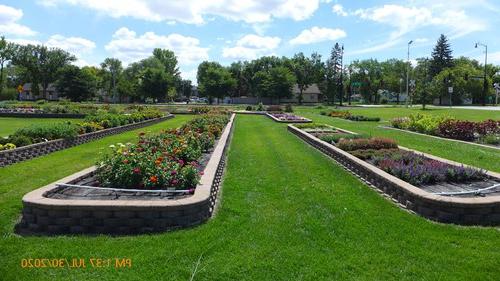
{"x": 287, "y": 213}
{"x": 486, "y": 158}
{"x": 9, "y": 125}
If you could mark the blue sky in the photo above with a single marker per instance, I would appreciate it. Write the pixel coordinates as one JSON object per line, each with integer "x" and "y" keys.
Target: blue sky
{"x": 226, "y": 31}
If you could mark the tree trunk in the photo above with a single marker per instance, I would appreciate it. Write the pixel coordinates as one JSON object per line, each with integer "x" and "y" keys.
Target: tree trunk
{"x": 300, "y": 95}
{"x": 1, "y": 78}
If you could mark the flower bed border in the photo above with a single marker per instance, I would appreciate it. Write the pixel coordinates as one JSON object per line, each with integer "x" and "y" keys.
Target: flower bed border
{"x": 42, "y": 115}
{"x": 47, "y": 216}
{"x": 466, "y": 211}
{"x": 440, "y": 138}
{"x": 11, "y": 156}
{"x": 288, "y": 121}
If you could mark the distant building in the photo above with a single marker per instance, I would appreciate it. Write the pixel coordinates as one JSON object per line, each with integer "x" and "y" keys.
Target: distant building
{"x": 311, "y": 94}
{"x": 28, "y": 95}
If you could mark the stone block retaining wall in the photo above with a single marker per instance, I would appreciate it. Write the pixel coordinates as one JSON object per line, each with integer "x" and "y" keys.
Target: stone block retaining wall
{"x": 11, "y": 156}
{"x": 458, "y": 210}
{"x": 46, "y": 216}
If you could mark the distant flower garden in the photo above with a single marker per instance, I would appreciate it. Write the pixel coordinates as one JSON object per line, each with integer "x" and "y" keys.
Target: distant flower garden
{"x": 167, "y": 160}
{"x": 349, "y": 116}
{"x": 486, "y": 131}
{"x": 68, "y": 130}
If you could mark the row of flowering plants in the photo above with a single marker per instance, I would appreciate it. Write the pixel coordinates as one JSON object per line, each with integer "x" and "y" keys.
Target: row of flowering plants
{"x": 168, "y": 160}
{"x": 344, "y": 114}
{"x": 411, "y": 167}
{"x": 37, "y": 133}
{"x": 485, "y": 131}
{"x": 288, "y": 117}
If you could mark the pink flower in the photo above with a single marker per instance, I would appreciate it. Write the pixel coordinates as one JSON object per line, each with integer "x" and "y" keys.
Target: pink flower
{"x": 181, "y": 162}
{"x": 191, "y": 191}
{"x": 173, "y": 182}
{"x": 137, "y": 170}
{"x": 173, "y": 173}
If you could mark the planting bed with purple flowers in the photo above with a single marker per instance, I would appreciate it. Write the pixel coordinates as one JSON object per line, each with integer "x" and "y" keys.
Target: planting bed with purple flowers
{"x": 287, "y": 117}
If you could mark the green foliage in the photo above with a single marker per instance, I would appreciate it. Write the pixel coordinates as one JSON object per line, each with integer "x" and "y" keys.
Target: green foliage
{"x": 43, "y": 132}
{"x": 288, "y": 108}
{"x": 336, "y": 137}
{"x": 214, "y": 81}
{"x": 362, "y": 143}
{"x": 8, "y": 94}
{"x": 76, "y": 84}
{"x": 260, "y": 107}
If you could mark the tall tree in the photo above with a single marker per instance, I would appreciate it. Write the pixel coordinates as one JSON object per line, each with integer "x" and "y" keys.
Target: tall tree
{"x": 75, "y": 83}
{"x": 113, "y": 67}
{"x": 332, "y": 74}
{"x": 41, "y": 64}
{"x": 441, "y": 58}
{"x": 304, "y": 72}
{"x": 214, "y": 80}
{"x": 6, "y": 51}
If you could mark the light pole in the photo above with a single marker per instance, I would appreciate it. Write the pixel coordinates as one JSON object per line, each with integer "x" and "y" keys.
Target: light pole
{"x": 408, "y": 72}
{"x": 485, "y": 85}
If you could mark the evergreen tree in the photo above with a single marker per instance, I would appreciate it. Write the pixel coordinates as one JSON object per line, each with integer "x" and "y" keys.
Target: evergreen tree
{"x": 441, "y": 59}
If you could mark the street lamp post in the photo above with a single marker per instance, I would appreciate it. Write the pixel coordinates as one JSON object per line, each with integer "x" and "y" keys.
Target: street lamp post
{"x": 408, "y": 72}
{"x": 485, "y": 85}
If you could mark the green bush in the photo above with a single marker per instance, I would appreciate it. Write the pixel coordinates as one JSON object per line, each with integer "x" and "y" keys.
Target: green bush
{"x": 42, "y": 132}
{"x": 491, "y": 139}
{"x": 288, "y": 108}
{"x": 20, "y": 140}
{"x": 8, "y": 94}
{"x": 7, "y": 146}
{"x": 249, "y": 108}
{"x": 313, "y": 126}
{"x": 372, "y": 143}
{"x": 260, "y": 107}
{"x": 334, "y": 138}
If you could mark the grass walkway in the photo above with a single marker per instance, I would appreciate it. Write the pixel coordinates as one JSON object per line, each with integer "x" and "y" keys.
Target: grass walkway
{"x": 486, "y": 158}
{"x": 288, "y": 213}
{"x": 9, "y": 125}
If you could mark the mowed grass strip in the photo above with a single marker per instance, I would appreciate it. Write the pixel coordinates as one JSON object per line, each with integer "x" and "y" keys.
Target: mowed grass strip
{"x": 9, "y": 125}
{"x": 486, "y": 158}
{"x": 287, "y": 213}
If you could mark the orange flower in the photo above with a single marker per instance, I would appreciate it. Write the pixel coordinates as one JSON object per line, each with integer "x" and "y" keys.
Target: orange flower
{"x": 153, "y": 179}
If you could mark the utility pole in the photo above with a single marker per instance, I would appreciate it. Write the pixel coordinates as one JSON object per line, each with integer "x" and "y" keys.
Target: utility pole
{"x": 408, "y": 73}
{"x": 341, "y": 74}
{"x": 485, "y": 84}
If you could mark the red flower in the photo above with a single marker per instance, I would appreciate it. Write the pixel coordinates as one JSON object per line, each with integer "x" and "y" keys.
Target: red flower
{"x": 125, "y": 161}
{"x": 153, "y": 179}
{"x": 173, "y": 182}
{"x": 142, "y": 134}
{"x": 137, "y": 170}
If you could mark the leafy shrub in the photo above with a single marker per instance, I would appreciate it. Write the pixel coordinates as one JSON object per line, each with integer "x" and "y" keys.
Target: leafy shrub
{"x": 274, "y": 108}
{"x": 313, "y": 126}
{"x": 367, "y": 154}
{"x": 249, "y": 108}
{"x": 457, "y": 129}
{"x": 384, "y": 101}
{"x": 200, "y": 109}
{"x": 8, "y": 94}
{"x": 362, "y": 118}
{"x": 260, "y": 107}
{"x": 491, "y": 139}
{"x": 426, "y": 124}
{"x": 322, "y": 113}
{"x": 334, "y": 138}
{"x": 339, "y": 113}
{"x": 7, "y": 146}
{"x": 88, "y": 127}
{"x": 488, "y": 127}
{"x": 20, "y": 140}
{"x": 400, "y": 122}
{"x": 361, "y": 143}
{"x": 42, "y": 132}
{"x": 288, "y": 108}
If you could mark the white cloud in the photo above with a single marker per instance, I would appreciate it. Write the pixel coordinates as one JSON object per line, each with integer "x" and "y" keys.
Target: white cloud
{"x": 8, "y": 22}
{"x": 421, "y": 40}
{"x": 451, "y": 20}
{"x": 194, "y": 11}
{"x": 127, "y": 46}
{"x": 318, "y": 34}
{"x": 252, "y": 46}
{"x": 77, "y": 46}
{"x": 74, "y": 45}
{"x": 407, "y": 19}
{"x": 339, "y": 10}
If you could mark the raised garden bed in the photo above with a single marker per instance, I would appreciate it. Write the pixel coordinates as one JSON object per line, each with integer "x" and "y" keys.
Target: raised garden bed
{"x": 60, "y": 209}
{"x": 11, "y": 156}
{"x": 347, "y": 115}
{"x": 475, "y": 201}
{"x": 287, "y": 117}
{"x": 485, "y": 133}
